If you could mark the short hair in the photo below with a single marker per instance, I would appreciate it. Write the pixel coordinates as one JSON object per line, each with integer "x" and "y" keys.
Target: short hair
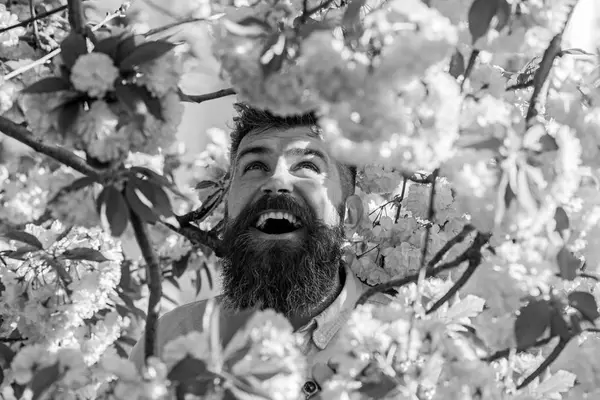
{"x": 250, "y": 119}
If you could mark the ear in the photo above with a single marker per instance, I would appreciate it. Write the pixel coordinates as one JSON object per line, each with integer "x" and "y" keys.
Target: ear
{"x": 354, "y": 212}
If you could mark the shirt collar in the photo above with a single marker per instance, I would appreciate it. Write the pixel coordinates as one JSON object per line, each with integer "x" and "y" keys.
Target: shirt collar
{"x": 325, "y": 325}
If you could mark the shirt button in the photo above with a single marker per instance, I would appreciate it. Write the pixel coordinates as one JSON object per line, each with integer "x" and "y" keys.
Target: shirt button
{"x": 310, "y": 388}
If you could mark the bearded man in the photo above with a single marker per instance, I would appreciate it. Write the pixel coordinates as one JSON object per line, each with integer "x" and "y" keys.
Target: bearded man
{"x": 287, "y": 208}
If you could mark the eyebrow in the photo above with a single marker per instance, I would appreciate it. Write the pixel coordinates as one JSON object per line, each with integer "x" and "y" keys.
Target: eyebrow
{"x": 291, "y": 152}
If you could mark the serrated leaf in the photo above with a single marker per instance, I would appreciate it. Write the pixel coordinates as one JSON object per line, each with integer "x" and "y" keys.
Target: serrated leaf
{"x": 568, "y": 264}
{"x": 560, "y": 382}
{"x": 84, "y": 253}
{"x": 586, "y": 304}
{"x": 145, "y": 53}
{"x": 532, "y": 322}
{"x": 457, "y": 64}
{"x": 562, "y": 220}
{"x": 48, "y": 85}
{"x": 139, "y": 207}
{"x": 480, "y": 17}
{"x": 469, "y": 307}
{"x": 43, "y": 379}
{"x": 24, "y": 237}
{"x": 72, "y": 47}
{"x": 188, "y": 369}
{"x": 116, "y": 212}
{"x": 205, "y": 184}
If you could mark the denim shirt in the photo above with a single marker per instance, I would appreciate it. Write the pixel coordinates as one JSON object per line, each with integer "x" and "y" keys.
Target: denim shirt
{"x": 319, "y": 335}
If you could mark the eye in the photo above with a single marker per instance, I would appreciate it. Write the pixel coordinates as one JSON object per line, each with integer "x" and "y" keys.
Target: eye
{"x": 255, "y": 165}
{"x": 309, "y": 165}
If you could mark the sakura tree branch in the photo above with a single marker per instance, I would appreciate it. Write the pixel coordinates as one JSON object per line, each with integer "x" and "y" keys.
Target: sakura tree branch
{"x": 23, "y": 135}
{"x": 542, "y": 73}
{"x": 310, "y": 11}
{"x": 474, "y": 262}
{"x": 466, "y": 230}
{"x": 506, "y": 352}
{"x": 545, "y": 364}
{"x": 189, "y": 98}
{"x": 153, "y": 278}
{"x": 473, "y": 251}
{"x": 430, "y": 217}
{"x": 33, "y": 19}
{"x": 198, "y": 236}
{"x": 470, "y": 66}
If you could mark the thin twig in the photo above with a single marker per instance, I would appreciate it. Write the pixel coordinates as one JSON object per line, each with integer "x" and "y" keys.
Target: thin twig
{"x": 425, "y": 248}
{"x": 23, "y": 135}
{"x": 472, "y": 251}
{"x": 36, "y": 34}
{"x": 189, "y": 98}
{"x": 154, "y": 278}
{"x": 469, "y": 69}
{"x": 506, "y": 352}
{"x": 474, "y": 262}
{"x": 316, "y": 9}
{"x": 466, "y": 230}
{"x": 399, "y": 200}
{"x": 549, "y": 360}
{"x": 175, "y": 24}
{"x": 542, "y": 73}
{"x": 13, "y": 340}
{"x": 32, "y": 19}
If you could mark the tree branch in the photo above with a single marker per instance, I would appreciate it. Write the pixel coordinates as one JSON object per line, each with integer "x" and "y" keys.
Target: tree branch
{"x": 469, "y": 69}
{"x": 198, "y": 237}
{"x": 466, "y": 230}
{"x": 188, "y": 98}
{"x": 23, "y": 135}
{"x": 545, "y": 364}
{"x": 539, "y": 79}
{"x": 430, "y": 217}
{"x": 305, "y": 15}
{"x": 473, "y": 251}
{"x": 32, "y": 19}
{"x": 154, "y": 278}
{"x": 506, "y": 352}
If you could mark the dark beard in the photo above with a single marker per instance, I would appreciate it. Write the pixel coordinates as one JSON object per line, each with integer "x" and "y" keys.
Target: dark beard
{"x": 290, "y": 277}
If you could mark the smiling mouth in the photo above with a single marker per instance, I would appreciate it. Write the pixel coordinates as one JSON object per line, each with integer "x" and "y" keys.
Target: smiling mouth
{"x": 277, "y": 223}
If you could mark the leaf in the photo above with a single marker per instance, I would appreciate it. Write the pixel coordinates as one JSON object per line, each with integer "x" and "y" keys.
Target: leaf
{"x": 469, "y": 307}
{"x": 351, "y": 17}
{"x": 568, "y": 264}
{"x": 208, "y": 276}
{"x": 586, "y": 304}
{"x": 117, "y": 212}
{"x": 68, "y": 114}
{"x": 145, "y": 53}
{"x": 158, "y": 179}
{"x": 560, "y": 382}
{"x": 158, "y": 197}
{"x": 378, "y": 390}
{"x": 179, "y": 266}
{"x": 188, "y": 369}
{"x": 72, "y": 47}
{"x": 84, "y": 253}
{"x": 548, "y": 143}
{"x": 108, "y": 46}
{"x": 503, "y": 12}
{"x": 457, "y": 64}
{"x": 480, "y": 17}
{"x": 139, "y": 207}
{"x": 24, "y": 237}
{"x": 574, "y": 51}
{"x": 485, "y": 144}
{"x": 129, "y": 303}
{"x": 43, "y": 379}
{"x": 120, "y": 350}
{"x": 562, "y": 220}
{"x": 20, "y": 252}
{"x": 531, "y": 322}
{"x": 205, "y": 184}
{"x": 558, "y": 326}
{"x": 6, "y": 356}
{"x": 127, "y": 45}
{"x": 48, "y": 85}
{"x": 198, "y": 282}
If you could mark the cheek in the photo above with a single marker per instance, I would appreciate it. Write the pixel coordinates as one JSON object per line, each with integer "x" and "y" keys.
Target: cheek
{"x": 238, "y": 197}
{"x": 321, "y": 201}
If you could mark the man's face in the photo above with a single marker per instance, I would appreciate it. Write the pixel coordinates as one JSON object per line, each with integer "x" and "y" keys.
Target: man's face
{"x": 283, "y": 228}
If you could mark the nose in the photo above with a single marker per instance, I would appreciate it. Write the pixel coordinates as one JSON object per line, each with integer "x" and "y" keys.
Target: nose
{"x": 278, "y": 183}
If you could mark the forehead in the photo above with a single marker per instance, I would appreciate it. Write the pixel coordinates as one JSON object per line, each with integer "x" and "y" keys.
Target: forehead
{"x": 280, "y": 140}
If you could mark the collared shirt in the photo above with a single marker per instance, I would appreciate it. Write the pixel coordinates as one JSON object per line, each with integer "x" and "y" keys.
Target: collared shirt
{"x": 319, "y": 335}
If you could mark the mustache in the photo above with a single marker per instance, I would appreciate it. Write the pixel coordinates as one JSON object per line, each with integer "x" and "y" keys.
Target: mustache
{"x": 281, "y": 203}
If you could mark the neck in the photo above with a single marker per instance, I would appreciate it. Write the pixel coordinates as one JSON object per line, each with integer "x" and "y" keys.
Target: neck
{"x": 298, "y": 321}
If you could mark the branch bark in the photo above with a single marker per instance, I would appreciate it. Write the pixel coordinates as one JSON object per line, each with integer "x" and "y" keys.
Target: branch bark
{"x": 189, "y": 98}
{"x": 23, "y": 135}
{"x": 153, "y": 278}
{"x": 32, "y": 19}
{"x": 199, "y": 237}
{"x": 506, "y": 352}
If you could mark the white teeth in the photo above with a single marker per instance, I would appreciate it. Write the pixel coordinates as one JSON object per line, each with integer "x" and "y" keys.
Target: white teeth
{"x": 277, "y": 215}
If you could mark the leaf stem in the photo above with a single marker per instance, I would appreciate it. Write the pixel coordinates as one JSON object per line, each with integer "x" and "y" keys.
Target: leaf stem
{"x": 23, "y": 135}
{"x": 154, "y": 278}
{"x": 545, "y": 364}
